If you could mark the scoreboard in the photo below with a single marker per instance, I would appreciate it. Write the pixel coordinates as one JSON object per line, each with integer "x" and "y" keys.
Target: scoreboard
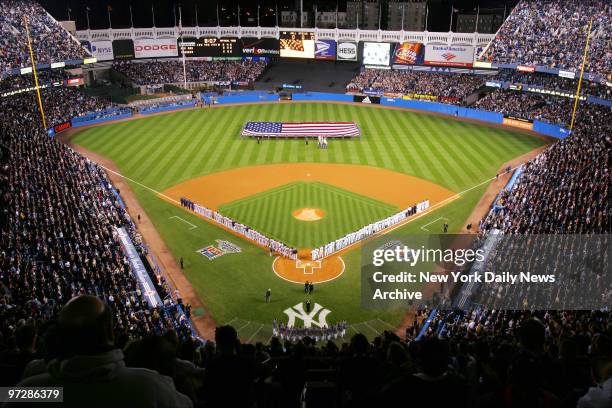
{"x": 297, "y": 44}
{"x": 210, "y": 47}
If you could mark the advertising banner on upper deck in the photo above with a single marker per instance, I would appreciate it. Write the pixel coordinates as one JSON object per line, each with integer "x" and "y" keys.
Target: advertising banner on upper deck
{"x": 449, "y": 55}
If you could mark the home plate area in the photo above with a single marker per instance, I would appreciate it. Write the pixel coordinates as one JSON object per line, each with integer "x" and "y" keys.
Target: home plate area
{"x": 305, "y": 269}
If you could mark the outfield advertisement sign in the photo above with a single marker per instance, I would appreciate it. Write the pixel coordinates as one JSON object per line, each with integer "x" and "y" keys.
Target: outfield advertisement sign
{"x": 376, "y": 54}
{"x": 260, "y": 47}
{"x": 347, "y": 51}
{"x": 366, "y": 99}
{"x": 102, "y": 50}
{"x": 161, "y": 47}
{"x": 325, "y": 49}
{"x": 518, "y": 122}
{"x": 449, "y": 55}
{"x": 408, "y": 53}
{"x": 123, "y": 49}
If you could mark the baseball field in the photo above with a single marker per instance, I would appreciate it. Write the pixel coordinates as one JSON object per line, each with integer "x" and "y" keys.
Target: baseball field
{"x": 298, "y": 194}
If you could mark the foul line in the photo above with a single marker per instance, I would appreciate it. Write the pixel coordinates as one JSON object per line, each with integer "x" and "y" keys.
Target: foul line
{"x": 139, "y": 183}
{"x": 386, "y": 231}
{"x": 185, "y": 221}
{"x": 436, "y": 220}
{"x": 426, "y": 212}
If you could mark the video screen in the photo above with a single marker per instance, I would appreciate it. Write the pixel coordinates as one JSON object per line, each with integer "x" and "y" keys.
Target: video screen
{"x": 210, "y": 47}
{"x": 297, "y": 44}
{"x": 376, "y": 53}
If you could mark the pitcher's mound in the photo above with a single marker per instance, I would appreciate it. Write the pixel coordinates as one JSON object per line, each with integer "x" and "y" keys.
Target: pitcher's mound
{"x": 308, "y": 214}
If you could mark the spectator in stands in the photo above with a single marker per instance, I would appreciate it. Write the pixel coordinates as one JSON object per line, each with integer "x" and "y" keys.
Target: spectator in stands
{"x": 549, "y": 109}
{"x": 171, "y": 71}
{"x": 229, "y": 378}
{"x": 554, "y": 33}
{"x": 447, "y": 88}
{"x": 92, "y": 371}
{"x": 50, "y": 41}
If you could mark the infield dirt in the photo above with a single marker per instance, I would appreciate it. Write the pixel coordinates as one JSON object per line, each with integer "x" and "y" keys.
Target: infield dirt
{"x": 400, "y": 190}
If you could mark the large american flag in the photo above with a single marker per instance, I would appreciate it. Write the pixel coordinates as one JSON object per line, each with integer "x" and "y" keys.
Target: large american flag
{"x": 301, "y": 129}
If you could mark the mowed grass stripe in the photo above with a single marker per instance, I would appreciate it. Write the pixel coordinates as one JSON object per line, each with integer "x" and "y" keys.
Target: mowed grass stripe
{"x": 204, "y": 141}
{"x": 271, "y": 212}
{"x": 182, "y": 154}
{"x": 449, "y": 157}
{"x": 155, "y": 142}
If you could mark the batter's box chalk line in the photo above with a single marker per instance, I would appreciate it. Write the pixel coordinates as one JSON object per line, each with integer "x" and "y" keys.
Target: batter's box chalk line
{"x": 308, "y": 267}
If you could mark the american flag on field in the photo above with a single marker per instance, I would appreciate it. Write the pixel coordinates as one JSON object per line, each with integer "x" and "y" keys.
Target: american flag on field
{"x": 301, "y": 129}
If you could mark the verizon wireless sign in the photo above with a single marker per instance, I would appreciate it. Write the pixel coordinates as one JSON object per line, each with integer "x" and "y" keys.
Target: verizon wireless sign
{"x": 449, "y": 55}
{"x": 161, "y": 47}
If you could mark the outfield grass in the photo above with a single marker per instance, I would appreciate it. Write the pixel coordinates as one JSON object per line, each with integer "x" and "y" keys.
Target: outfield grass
{"x": 270, "y": 212}
{"x": 162, "y": 151}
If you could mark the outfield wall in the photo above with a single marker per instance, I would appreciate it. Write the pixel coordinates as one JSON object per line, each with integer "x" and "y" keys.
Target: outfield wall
{"x": 167, "y": 108}
{"x": 544, "y": 128}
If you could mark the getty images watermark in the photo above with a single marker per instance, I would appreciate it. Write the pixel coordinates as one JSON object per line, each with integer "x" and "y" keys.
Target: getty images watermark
{"x": 495, "y": 271}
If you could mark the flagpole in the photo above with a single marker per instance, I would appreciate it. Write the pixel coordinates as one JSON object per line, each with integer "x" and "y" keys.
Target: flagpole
{"x": 379, "y": 14}
{"x": 315, "y": 16}
{"x": 336, "y": 15}
{"x": 68, "y": 13}
{"x": 131, "y": 20}
{"x": 196, "y": 14}
{"x": 108, "y": 10}
{"x": 257, "y": 14}
{"x": 276, "y": 13}
{"x": 87, "y": 16}
{"x": 238, "y": 14}
{"x": 477, "y": 13}
{"x": 181, "y": 34}
{"x": 218, "y": 21}
{"x": 450, "y": 27}
{"x": 403, "y": 16}
{"x": 426, "y": 16}
{"x": 153, "y": 14}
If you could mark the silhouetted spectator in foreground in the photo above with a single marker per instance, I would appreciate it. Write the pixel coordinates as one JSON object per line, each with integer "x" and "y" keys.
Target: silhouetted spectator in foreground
{"x": 229, "y": 378}
{"x": 93, "y": 372}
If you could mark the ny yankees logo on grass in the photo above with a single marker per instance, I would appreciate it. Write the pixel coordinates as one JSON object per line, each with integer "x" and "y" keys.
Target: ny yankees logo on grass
{"x": 298, "y": 312}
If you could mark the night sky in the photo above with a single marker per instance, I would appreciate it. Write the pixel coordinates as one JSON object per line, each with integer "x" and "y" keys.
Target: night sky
{"x": 165, "y": 11}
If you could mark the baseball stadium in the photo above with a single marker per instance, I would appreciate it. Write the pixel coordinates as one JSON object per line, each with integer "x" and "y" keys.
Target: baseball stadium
{"x": 242, "y": 204}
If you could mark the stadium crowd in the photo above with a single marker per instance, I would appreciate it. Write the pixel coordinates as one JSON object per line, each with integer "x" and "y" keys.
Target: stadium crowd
{"x": 58, "y": 237}
{"x": 565, "y": 189}
{"x": 50, "y": 42}
{"x": 451, "y": 88}
{"x": 553, "y": 33}
{"x": 528, "y": 106}
{"x": 160, "y": 72}
{"x": 60, "y": 104}
{"x": 554, "y": 83}
{"x": 59, "y": 246}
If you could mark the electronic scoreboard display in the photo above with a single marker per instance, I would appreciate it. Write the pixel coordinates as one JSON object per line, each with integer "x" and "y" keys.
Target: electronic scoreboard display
{"x": 210, "y": 47}
{"x": 297, "y": 44}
